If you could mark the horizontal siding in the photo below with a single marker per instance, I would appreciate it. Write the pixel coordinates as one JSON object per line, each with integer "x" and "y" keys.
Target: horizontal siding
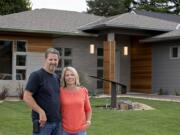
{"x": 166, "y": 71}
{"x": 141, "y": 68}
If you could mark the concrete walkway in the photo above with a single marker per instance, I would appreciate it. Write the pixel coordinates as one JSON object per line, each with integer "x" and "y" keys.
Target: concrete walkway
{"x": 147, "y": 96}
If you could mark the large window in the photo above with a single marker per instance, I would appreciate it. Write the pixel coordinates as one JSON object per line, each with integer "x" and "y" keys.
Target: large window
{"x": 100, "y": 67}
{"x": 20, "y": 52}
{"x": 65, "y": 59}
{"x": 13, "y": 60}
{"x": 6, "y": 59}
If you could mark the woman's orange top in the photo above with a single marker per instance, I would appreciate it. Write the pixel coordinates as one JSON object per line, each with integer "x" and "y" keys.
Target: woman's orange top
{"x": 74, "y": 107}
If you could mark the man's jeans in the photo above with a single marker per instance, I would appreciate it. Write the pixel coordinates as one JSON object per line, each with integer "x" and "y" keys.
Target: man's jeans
{"x": 79, "y": 133}
{"x": 53, "y": 128}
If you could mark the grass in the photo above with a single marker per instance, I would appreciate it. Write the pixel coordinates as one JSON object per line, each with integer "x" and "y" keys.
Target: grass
{"x": 14, "y": 119}
{"x": 164, "y": 120}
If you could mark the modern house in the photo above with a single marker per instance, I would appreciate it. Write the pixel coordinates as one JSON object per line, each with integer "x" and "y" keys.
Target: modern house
{"x": 138, "y": 49}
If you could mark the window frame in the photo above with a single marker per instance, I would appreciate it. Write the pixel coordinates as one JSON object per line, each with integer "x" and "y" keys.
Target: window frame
{"x": 100, "y": 57}
{"x": 171, "y": 52}
{"x": 19, "y": 53}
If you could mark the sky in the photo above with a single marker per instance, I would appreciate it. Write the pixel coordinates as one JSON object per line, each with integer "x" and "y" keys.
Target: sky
{"x": 70, "y": 5}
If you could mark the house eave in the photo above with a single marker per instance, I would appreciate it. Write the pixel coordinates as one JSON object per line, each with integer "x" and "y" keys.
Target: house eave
{"x": 56, "y": 33}
{"x": 102, "y": 27}
{"x": 159, "y": 39}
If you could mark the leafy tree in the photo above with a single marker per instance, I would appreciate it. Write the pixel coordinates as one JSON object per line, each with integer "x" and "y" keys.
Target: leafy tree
{"x": 108, "y": 7}
{"x": 114, "y": 7}
{"x": 165, "y": 6}
{"x": 14, "y": 6}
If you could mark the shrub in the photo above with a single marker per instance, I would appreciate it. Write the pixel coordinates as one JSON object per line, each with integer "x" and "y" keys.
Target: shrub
{"x": 20, "y": 90}
{"x": 4, "y": 93}
{"x": 160, "y": 92}
{"x": 177, "y": 93}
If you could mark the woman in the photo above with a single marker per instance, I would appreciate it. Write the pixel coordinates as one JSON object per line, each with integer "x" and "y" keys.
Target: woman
{"x": 75, "y": 106}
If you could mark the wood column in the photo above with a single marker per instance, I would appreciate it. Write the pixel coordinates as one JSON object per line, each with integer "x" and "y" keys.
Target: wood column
{"x": 109, "y": 65}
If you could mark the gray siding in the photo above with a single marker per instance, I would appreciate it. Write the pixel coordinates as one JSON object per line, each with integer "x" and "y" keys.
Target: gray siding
{"x": 82, "y": 60}
{"x": 123, "y": 62}
{"x": 165, "y": 71}
{"x": 35, "y": 61}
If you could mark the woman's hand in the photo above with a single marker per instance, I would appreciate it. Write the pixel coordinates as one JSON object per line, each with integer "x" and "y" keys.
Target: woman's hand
{"x": 88, "y": 123}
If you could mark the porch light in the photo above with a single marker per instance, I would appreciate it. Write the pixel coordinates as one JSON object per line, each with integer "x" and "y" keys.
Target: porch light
{"x": 92, "y": 48}
{"x": 125, "y": 50}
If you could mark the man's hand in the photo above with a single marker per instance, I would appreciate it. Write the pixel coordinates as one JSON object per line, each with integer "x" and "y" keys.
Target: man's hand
{"x": 42, "y": 118}
{"x": 32, "y": 103}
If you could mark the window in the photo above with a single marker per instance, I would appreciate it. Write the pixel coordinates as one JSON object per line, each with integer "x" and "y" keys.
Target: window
{"x": 174, "y": 52}
{"x": 65, "y": 59}
{"x": 100, "y": 67}
{"x": 20, "y": 74}
{"x": 20, "y": 60}
{"x": 21, "y": 46}
{"x": 67, "y": 62}
{"x": 99, "y": 84}
{"x": 100, "y": 73}
{"x": 9, "y": 48}
{"x": 99, "y": 51}
{"x": 100, "y": 62}
{"x": 6, "y": 59}
{"x": 20, "y": 52}
{"x": 67, "y": 51}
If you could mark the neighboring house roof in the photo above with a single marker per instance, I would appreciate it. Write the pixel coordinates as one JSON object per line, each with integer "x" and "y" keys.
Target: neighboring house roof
{"x": 163, "y": 37}
{"x": 46, "y": 21}
{"x": 131, "y": 21}
{"x": 163, "y": 16}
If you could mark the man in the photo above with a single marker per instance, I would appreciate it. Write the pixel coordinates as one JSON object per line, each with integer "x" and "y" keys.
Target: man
{"x": 42, "y": 95}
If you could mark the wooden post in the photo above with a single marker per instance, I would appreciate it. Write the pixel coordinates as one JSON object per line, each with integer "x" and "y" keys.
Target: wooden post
{"x": 109, "y": 65}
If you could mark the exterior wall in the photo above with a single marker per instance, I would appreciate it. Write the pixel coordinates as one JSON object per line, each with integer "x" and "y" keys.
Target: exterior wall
{"x": 165, "y": 71}
{"x": 34, "y": 62}
{"x": 141, "y": 66}
{"x": 82, "y": 60}
{"x": 123, "y": 62}
{"x": 36, "y": 47}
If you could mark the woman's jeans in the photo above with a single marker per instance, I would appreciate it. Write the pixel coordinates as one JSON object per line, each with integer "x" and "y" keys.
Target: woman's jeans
{"x": 53, "y": 128}
{"x": 79, "y": 133}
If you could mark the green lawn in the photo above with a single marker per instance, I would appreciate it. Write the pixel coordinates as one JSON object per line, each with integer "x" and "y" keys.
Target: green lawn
{"x": 164, "y": 120}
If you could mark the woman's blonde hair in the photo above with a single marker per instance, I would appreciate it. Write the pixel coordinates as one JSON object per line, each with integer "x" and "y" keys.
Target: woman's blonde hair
{"x": 63, "y": 83}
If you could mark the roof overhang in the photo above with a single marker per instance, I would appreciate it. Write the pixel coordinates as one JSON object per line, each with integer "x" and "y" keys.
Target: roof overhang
{"x": 173, "y": 35}
{"x": 52, "y": 33}
{"x": 148, "y": 40}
